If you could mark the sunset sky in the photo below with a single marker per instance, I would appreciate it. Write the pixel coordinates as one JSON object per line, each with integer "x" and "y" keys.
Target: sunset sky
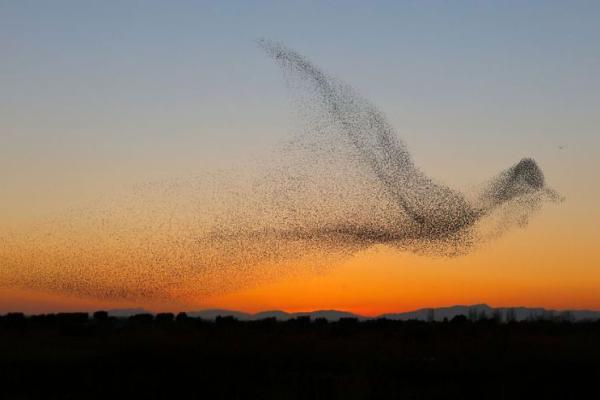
{"x": 98, "y": 97}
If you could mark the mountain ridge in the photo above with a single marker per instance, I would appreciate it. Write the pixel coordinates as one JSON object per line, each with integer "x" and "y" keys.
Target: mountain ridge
{"x": 475, "y": 311}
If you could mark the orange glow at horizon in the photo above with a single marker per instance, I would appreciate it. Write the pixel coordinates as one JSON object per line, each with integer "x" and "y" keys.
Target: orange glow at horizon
{"x": 520, "y": 269}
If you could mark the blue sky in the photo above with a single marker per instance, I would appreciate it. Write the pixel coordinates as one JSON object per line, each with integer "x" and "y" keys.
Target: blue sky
{"x": 98, "y": 92}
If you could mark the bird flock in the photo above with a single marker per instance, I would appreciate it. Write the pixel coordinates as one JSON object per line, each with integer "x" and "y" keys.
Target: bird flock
{"x": 344, "y": 182}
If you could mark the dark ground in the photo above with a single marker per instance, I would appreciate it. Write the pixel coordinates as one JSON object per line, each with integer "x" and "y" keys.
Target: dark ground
{"x": 71, "y": 356}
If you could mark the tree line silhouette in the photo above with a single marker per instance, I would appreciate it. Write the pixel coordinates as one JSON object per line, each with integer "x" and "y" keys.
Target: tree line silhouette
{"x": 75, "y": 355}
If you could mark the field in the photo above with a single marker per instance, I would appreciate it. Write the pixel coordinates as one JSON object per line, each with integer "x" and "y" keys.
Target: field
{"x": 163, "y": 356}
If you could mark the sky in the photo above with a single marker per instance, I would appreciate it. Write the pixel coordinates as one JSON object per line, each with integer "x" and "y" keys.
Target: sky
{"x": 101, "y": 96}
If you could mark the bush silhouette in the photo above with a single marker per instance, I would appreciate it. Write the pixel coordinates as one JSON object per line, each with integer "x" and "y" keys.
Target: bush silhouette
{"x": 100, "y": 316}
{"x": 181, "y": 317}
{"x": 142, "y": 318}
{"x": 164, "y": 318}
{"x": 72, "y": 318}
{"x": 460, "y": 319}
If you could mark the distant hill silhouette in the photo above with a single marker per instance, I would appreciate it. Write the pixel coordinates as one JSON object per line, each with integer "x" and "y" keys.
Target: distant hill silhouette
{"x": 485, "y": 311}
{"x": 423, "y": 314}
{"x": 126, "y": 312}
{"x": 331, "y": 315}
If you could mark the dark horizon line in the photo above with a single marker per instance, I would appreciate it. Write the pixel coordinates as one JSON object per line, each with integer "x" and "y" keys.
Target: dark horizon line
{"x": 420, "y": 313}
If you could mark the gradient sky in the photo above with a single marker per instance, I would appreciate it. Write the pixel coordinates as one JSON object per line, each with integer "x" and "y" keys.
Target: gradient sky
{"x": 99, "y": 96}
